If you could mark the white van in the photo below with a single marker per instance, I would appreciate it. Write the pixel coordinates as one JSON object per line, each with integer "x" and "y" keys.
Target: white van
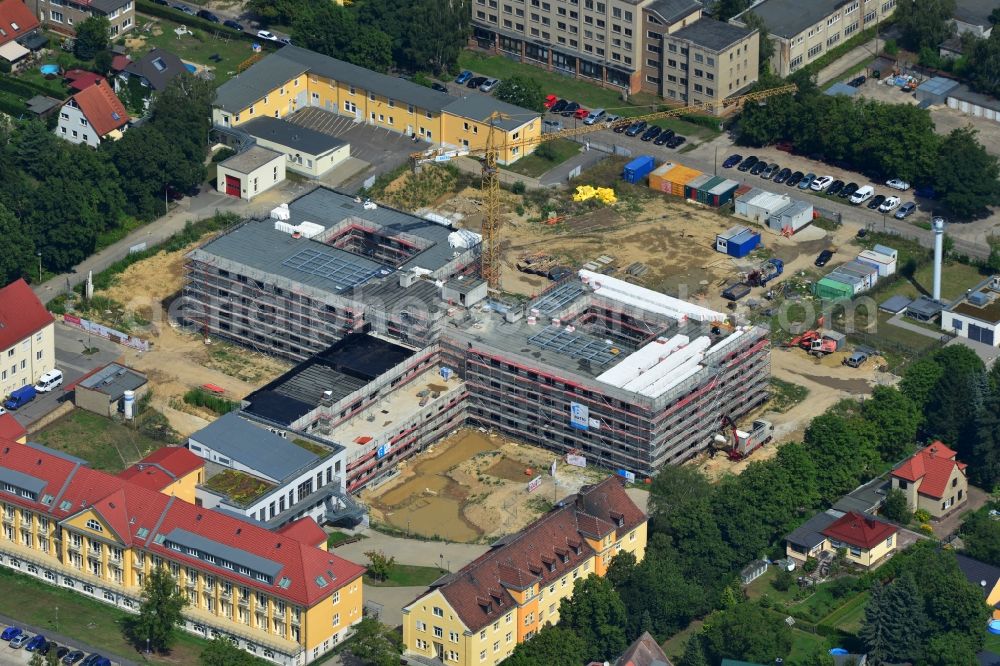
{"x": 49, "y": 381}
{"x": 593, "y": 116}
{"x": 862, "y": 195}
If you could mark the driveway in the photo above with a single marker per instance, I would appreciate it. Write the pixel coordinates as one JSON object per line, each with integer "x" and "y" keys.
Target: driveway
{"x": 949, "y": 524}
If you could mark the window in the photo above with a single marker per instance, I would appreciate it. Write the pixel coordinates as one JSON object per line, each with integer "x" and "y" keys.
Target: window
{"x": 453, "y": 636}
{"x": 438, "y": 632}
{"x": 888, "y": 542}
{"x": 336, "y": 619}
{"x": 438, "y": 612}
{"x": 855, "y": 551}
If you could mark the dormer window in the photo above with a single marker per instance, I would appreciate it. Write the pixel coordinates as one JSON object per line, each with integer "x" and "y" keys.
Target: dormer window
{"x": 619, "y": 519}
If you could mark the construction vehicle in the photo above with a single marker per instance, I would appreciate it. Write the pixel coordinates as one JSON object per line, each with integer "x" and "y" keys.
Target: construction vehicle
{"x": 491, "y": 260}
{"x": 822, "y": 347}
{"x": 804, "y": 340}
{"x": 766, "y": 272}
{"x": 741, "y": 443}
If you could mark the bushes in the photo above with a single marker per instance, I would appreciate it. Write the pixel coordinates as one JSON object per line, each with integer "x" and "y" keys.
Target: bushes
{"x": 214, "y": 403}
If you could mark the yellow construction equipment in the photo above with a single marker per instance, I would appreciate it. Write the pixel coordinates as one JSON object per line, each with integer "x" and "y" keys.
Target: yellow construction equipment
{"x": 491, "y": 179}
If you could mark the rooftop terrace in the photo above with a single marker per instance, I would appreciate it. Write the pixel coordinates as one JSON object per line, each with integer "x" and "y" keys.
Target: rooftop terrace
{"x": 240, "y": 487}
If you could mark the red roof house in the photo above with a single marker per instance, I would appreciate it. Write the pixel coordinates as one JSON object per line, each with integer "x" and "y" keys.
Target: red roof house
{"x": 867, "y": 540}
{"x": 79, "y": 79}
{"x": 103, "y": 111}
{"x": 163, "y": 467}
{"x": 16, "y": 20}
{"x": 21, "y": 314}
{"x": 933, "y": 480}
{"x": 10, "y": 428}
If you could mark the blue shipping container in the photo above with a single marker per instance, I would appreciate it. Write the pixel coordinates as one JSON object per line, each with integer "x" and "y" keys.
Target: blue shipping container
{"x": 743, "y": 244}
{"x": 638, "y": 168}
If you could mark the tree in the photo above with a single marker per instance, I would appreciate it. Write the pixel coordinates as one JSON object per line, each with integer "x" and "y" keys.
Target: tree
{"x": 18, "y": 256}
{"x": 958, "y": 393}
{"x": 694, "y": 652}
{"x": 554, "y": 645}
{"x": 102, "y": 61}
{"x": 375, "y": 644}
{"x": 896, "y": 507}
{"x": 874, "y": 631}
{"x": 766, "y": 45}
{"x": 969, "y": 184}
{"x": 924, "y": 23}
{"x": 596, "y": 613}
{"x": 904, "y": 619}
{"x": 92, "y": 37}
{"x": 746, "y": 632}
{"x": 371, "y": 49}
{"x": 843, "y": 451}
{"x": 981, "y": 535}
{"x": 222, "y": 652}
{"x": 950, "y": 649}
{"x": 621, "y": 569}
{"x": 160, "y": 612}
{"x": 896, "y": 419}
{"x": 727, "y": 9}
{"x": 985, "y": 462}
{"x": 919, "y": 380}
{"x": 444, "y": 31}
{"x": 521, "y": 91}
{"x": 380, "y": 565}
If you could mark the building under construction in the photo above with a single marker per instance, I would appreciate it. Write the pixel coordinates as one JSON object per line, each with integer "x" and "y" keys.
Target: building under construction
{"x": 401, "y": 347}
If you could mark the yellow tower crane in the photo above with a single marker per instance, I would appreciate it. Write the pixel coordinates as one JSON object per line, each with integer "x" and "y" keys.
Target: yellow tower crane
{"x": 491, "y": 263}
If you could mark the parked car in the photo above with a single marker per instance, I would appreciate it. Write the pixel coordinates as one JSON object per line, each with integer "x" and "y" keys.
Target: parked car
{"x": 856, "y": 360}
{"x": 898, "y": 184}
{"x": 821, "y": 183}
{"x": 795, "y": 179}
{"x": 758, "y": 168}
{"x": 905, "y": 210}
{"x": 663, "y": 137}
{"x": 876, "y": 201}
{"x": 857, "y": 82}
{"x": 636, "y": 127}
{"x": 890, "y": 204}
{"x": 835, "y": 187}
{"x": 208, "y": 16}
{"x": 823, "y": 258}
{"x": 848, "y": 190}
{"x": 50, "y": 646}
{"x": 619, "y": 129}
{"x": 440, "y": 87}
{"x": 782, "y": 175}
{"x": 807, "y": 180}
{"x": 550, "y": 100}
{"x": 10, "y": 633}
{"x": 732, "y": 161}
{"x": 20, "y": 397}
{"x": 593, "y": 116}
{"x": 862, "y": 195}
{"x": 20, "y": 641}
{"x": 549, "y": 126}
{"x": 748, "y": 163}
{"x": 36, "y": 642}
{"x": 475, "y": 82}
{"x": 558, "y": 106}
{"x": 235, "y": 25}
{"x": 464, "y": 77}
{"x": 184, "y": 8}
{"x": 570, "y": 109}
{"x": 651, "y": 133}
{"x": 675, "y": 141}
{"x": 73, "y": 657}
{"x": 769, "y": 172}
{"x": 611, "y": 119}
{"x": 581, "y": 113}
{"x": 61, "y": 651}
{"x": 267, "y": 34}
{"x": 488, "y": 85}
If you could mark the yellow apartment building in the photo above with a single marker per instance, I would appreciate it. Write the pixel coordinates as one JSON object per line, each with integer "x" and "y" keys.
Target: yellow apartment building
{"x": 479, "y": 614}
{"x": 171, "y": 470}
{"x": 27, "y": 338}
{"x": 279, "y": 595}
{"x": 293, "y": 79}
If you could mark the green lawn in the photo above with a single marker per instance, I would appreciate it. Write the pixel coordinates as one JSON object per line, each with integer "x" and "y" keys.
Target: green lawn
{"x": 992, "y": 643}
{"x": 34, "y": 602}
{"x": 674, "y": 646}
{"x": 534, "y": 165}
{"x": 107, "y": 445}
{"x": 848, "y": 617}
{"x": 196, "y": 47}
{"x": 804, "y": 644}
{"x": 335, "y": 537}
{"x": 407, "y": 575}
{"x": 311, "y": 447}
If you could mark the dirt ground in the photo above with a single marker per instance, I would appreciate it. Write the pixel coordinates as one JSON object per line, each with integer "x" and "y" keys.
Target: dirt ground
{"x": 472, "y": 486}
{"x": 178, "y": 360}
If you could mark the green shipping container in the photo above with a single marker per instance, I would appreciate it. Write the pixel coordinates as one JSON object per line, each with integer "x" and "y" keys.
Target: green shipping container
{"x": 705, "y": 189}
{"x": 831, "y": 290}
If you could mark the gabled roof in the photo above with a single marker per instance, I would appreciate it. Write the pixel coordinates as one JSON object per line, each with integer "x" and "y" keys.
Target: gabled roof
{"x": 298, "y": 572}
{"x": 810, "y": 533}
{"x": 102, "y": 108}
{"x": 305, "y": 530}
{"x": 543, "y": 552}
{"x": 645, "y": 651}
{"x": 16, "y": 20}
{"x": 934, "y": 465}
{"x": 162, "y": 467}
{"x": 158, "y": 67}
{"x": 21, "y": 314}
{"x": 10, "y": 428}
{"x": 859, "y": 530}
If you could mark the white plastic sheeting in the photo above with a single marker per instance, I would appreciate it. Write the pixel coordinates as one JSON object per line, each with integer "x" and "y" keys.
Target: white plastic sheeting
{"x": 281, "y": 212}
{"x": 642, "y": 360}
{"x": 630, "y": 294}
{"x": 307, "y": 229}
{"x": 694, "y": 352}
{"x": 465, "y": 239}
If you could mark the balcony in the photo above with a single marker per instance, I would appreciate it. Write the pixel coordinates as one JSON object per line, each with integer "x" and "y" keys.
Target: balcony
{"x": 225, "y": 594}
{"x": 75, "y": 546}
{"x": 8, "y": 519}
{"x": 244, "y": 601}
{"x": 279, "y": 613}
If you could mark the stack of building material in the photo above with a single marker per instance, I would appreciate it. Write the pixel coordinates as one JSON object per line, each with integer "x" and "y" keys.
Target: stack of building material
{"x": 847, "y": 281}
{"x": 671, "y": 178}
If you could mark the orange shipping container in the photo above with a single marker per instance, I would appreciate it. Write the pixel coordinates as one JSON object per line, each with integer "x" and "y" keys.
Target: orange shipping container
{"x": 671, "y": 178}
{"x": 656, "y": 181}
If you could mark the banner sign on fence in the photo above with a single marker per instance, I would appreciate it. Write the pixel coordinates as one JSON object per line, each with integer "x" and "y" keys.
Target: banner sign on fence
{"x": 627, "y": 475}
{"x": 107, "y": 333}
{"x": 136, "y": 249}
{"x": 534, "y": 483}
{"x": 575, "y": 460}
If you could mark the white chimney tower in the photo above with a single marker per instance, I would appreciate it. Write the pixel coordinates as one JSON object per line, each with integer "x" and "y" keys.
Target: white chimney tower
{"x": 938, "y": 227}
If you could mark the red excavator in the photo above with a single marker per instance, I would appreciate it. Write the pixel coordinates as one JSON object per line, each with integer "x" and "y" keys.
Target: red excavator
{"x": 804, "y": 340}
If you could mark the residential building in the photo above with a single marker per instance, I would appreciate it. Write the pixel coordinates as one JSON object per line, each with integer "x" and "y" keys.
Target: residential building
{"x": 704, "y": 62}
{"x": 478, "y": 614}
{"x": 803, "y": 31}
{"x": 10, "y": 429}
{"x": 170, "y": 470}
{"x": 62, "y": 15}
{"x": 293, "y": 79}
{"x": 27, "y": 337}
{"x": 644, "y": 651}
{"x": 973, "y": 16}
{"x": 279, "y": 595}
{"x": 270, "y": 475}
{"x": 933, "y": 480}
{"x": 307, "y": 152}
{"x": 984, "y": 576}
{"x": 152, "y": 73}
{"x": 976, "y": 315}
{"x": 92, "y": 115}
{"x": 251, "y": 172}
{"x": 866, "y": 541}
{"x": 20, "y": 33}
{"x": 103, "y": 391}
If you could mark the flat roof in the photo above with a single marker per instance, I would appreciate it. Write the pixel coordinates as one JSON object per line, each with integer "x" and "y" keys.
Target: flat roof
{"x": 251, "y": 445}
{"x": 895, "y": 304}
{"x": 250, "y": 159}
{"x": 113, "y": 380}
{"x": 713, "y": 35}
{"x": 989, "y": 313}
{"x": 808, "y": 534}
{"x": 963, "y": 93}
{"x": 296, "y": 137}
{"x": 938, "y": 85}
{"x": 925, "y": 305}
{"x": 864, "y": 499}
{"x": 787, "y": 18}
{"x": 974, "y": 12}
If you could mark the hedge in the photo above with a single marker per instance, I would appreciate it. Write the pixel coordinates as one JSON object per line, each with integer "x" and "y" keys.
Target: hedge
{"x": 23, "y": 88}
{"x": 213, "y": 403}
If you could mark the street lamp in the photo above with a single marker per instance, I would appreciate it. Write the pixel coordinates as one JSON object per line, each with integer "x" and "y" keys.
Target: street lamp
{"x": 39, "y": 267}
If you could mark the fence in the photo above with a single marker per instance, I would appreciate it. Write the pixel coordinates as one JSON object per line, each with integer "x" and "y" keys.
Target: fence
{"x": 107, "y": 333}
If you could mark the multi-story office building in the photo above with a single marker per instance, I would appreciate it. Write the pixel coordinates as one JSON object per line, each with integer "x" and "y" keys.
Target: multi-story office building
{"x": 478, "y": 614}
{"x": 803, "y": 31}
{"x": 703, "y": 62}
{"x": 279, "y": 595}
{"x": 27, "y": 337}
{"x": 62, "y": 16}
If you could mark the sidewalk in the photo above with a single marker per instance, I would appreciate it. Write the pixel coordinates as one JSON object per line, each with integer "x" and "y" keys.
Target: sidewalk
{"x": 72, "y": 644}
{"x": 452, "y": 556}
{"x": 898, "y": 320}
{"x": 855, "y": 56}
